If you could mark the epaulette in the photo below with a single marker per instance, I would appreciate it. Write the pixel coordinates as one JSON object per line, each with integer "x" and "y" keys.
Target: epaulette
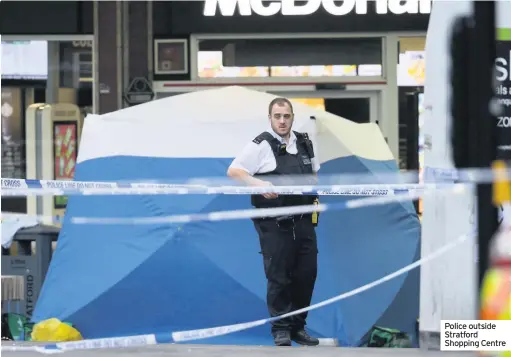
{"x": 262, "y": 137}
{"x": 258, "y": 140}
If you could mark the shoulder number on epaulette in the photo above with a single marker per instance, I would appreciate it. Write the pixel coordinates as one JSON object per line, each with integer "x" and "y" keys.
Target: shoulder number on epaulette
{"x": 258, "y": 140}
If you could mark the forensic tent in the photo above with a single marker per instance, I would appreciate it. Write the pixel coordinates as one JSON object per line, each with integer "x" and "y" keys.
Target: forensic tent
{"x": 130, "y": 279}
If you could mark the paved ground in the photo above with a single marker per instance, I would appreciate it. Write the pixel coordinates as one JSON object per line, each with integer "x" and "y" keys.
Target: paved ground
{"x": 248, "y": 351}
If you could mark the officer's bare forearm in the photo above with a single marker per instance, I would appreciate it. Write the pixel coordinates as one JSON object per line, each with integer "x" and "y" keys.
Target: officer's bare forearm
{"x": 243, "y": 176}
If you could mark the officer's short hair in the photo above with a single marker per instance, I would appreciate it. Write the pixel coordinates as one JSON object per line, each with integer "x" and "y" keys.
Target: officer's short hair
{"x": 280, "y": 101}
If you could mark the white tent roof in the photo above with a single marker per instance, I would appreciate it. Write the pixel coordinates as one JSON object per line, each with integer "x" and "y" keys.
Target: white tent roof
{"x": 218, "y": 123}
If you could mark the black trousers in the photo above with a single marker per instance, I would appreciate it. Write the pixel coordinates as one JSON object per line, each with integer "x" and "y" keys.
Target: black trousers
{"x": 289, "y": 249}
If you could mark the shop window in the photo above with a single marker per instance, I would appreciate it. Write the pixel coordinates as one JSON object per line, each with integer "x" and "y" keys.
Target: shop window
{"x": 13, "y": 161}
{"x": 316, "y": 57}
{"x": 13, "y": 138}
{"x": 318, "y": 103}
{"x": 75, "y": 68}
{"x": 26, "y": 66}
{"x": 411, "y": 76}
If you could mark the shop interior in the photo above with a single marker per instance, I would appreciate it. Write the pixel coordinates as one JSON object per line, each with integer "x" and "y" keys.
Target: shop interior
{"x": 26, "y": 69}
{"x": 297, "y": 57}
{"x": 291, "y": 58}
{"x": 362, "y": 57}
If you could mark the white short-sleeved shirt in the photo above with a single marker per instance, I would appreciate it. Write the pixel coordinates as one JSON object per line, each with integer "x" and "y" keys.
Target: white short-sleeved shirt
{"x": 259, "y": 158}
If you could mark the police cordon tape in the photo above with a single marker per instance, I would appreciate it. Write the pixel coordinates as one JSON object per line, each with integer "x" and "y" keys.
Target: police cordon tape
{"x": 246, "y": 213}
{"x": 200, "y": 334}
{"x": 22, "y": 187}
{"x": 330, "y": 184}
{"x": 215, "y": 185}
{"x": 266, "y": 212}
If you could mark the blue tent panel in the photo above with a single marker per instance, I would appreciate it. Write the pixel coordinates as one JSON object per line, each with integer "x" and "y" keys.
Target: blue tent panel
{"x": 118, "y": 280}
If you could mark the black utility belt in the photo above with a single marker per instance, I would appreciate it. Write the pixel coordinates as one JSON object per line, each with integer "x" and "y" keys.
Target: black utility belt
{"x": 289, "y": 220}
{"x": 295, "y": 217}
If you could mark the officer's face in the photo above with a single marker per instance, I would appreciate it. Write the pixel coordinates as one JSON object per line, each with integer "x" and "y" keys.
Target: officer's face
{"x": 281, "y": 119}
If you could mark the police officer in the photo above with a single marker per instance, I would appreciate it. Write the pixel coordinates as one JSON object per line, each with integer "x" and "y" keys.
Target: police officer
{"x": 288, "y": 243}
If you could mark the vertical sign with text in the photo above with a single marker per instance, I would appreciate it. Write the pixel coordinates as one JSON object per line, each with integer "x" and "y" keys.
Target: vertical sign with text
{"x": 503, "y": 92}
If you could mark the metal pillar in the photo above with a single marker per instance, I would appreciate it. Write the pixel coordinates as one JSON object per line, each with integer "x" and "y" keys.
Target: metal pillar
{"x": 474, "y": 133}
{"x": 53, "y": 81}
{"x": 138, "y": 42}
{"x": 484, "y": 48}
{"x": 122, "y": 50}
{"x": 108, "y": 56}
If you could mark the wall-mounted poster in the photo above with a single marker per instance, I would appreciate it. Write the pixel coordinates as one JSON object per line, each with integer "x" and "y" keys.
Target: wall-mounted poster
{"x": 503, "y": 92}
{"x": 411, "y": 70}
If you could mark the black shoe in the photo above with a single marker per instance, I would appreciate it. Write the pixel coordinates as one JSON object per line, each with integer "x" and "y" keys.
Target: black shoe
{"x": 301, "y": 337}
{"x": 282, "y": 338}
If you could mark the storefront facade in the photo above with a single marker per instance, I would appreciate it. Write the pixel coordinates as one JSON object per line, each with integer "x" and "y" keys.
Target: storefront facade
{"x": 356, "y": 58}
{"x": 340, "y": 56}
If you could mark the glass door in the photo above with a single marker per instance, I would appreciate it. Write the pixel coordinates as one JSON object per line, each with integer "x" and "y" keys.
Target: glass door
{"x": 411, "y": 140}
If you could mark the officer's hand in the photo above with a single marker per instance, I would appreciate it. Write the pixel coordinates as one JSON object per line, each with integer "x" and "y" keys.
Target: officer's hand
{"x": 268, "y": 195}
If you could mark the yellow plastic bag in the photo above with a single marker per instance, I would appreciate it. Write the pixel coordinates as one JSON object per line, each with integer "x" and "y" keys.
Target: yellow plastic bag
{"x": 53, "y": 330}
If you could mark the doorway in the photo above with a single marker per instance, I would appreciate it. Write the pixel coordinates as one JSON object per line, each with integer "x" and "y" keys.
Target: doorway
{"x": 354, "y": 109}
{"x": 359, "y": 107}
